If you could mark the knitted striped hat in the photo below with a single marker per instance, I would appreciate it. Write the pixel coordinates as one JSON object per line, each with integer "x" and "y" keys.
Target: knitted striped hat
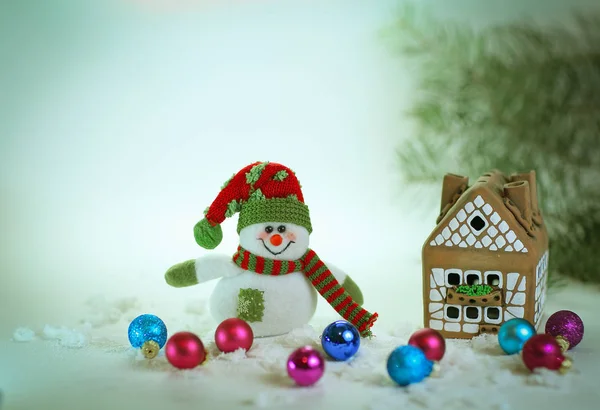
{"x": 260, "y": 192}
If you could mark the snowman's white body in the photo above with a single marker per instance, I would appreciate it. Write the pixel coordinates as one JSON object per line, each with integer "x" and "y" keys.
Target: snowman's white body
{"x": 290, "y": 300}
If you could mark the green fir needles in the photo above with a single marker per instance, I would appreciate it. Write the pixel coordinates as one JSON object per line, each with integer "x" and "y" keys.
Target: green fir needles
{"x": 514, "y": 97}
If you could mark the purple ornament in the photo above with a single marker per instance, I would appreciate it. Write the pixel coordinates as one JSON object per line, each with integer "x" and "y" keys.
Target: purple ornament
{"x": 566, "y": 324}
{"x": 306, "y": 366}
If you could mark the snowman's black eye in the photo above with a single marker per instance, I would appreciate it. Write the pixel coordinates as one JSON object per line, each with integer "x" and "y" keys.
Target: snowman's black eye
{"x": 268, "y": 229}
{"x": 281, "y": 228}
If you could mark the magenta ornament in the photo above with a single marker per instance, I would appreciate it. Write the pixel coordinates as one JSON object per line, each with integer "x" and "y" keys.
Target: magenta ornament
{"x": 185, "y": 350}
{"x": 544, "y": 351}
{"x": 566, "y": 324}
{"x": 233, "y": 334}
{"x": 305, "y": 366}
{"x": 431, "y": 342}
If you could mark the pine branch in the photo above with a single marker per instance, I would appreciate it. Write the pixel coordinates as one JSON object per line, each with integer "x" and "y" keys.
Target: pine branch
{"x": 515, "y": 97}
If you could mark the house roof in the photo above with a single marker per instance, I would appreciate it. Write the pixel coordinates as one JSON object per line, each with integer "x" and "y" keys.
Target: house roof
{"x": 504, "y": 207}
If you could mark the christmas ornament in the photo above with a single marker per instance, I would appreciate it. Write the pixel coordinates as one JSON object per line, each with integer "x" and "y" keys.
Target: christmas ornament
{"x": 567, "y": 326}
{"x": 185, "y": 350}
{"x": 149, "y": 333}
{"x": 513, "y": 334}
{"x": 431, "y": 342}
{"x": 305, "y": 366}
{"x": 340, "y": 340}
{"x": 408, "y": 364}
{"x": 543, "y": 351}
{"x": 233, "y": 334}
{"x": 274, "y": 228}
{"x": 562, "y": 343}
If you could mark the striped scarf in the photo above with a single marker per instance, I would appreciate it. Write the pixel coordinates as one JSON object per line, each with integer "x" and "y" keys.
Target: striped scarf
{"x": 321, "y": 278}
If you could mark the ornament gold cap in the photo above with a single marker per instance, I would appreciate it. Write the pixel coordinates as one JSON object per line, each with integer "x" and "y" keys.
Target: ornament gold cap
{"x": 563, "y": 343}
{"x": 150, "y": 349}
{"x": 565, "y": 366}
{"x": 436, "y": 371}
{"x": 205, "y": 358}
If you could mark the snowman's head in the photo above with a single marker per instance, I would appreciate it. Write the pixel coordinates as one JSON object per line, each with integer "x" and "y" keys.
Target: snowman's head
{"x": 275, "y": 240}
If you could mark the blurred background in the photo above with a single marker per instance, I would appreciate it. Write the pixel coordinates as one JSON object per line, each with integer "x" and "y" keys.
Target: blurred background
{"x": 120, "y": 120}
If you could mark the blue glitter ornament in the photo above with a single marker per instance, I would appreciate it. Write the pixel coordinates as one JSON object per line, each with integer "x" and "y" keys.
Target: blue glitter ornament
{"x": 513, "y": 334}
{"x": 408, "y": 364}
{"x": 340, "y": 340}
{"x": 149, "y": 333}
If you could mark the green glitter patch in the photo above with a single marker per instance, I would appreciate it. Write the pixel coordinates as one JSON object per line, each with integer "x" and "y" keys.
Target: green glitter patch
{"x": 251, "y": 305}
{"x": 474, "y": 290}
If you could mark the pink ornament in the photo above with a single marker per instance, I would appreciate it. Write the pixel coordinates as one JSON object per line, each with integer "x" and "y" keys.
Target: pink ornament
{"x": 543, "y": 351}
{"x": 185, "y": 350}
{"x": 306, "y": 366}
{"x": 431, "y": 342}
{"x": 566, "y": 324}
{"x": 233, "y": 334}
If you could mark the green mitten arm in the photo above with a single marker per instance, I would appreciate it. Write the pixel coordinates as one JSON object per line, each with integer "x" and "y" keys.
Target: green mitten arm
{"x": 200, "y": 270}
{"x": 347, "y": 283}
{"x": 353, "y": 289}
{"x": 183, "y": 274}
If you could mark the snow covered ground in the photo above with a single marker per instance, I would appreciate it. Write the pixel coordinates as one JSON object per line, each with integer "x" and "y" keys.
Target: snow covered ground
{"x": 91, "y": 365}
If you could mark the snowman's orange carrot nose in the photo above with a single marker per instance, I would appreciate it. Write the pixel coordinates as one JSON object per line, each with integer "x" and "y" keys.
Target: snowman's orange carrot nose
{"x": 276, "y": 240}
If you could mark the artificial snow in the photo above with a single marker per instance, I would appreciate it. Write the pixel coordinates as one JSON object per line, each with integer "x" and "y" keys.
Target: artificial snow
{"x": 196, "y": 307}
{"x": 102, "y": 312}
{"x": 66, "y": 337}
{"x": 235, "y": 356}
{"x": 267, "y": 399}
{"x": 472, "y": 373}
{"x": 23, "y": 334}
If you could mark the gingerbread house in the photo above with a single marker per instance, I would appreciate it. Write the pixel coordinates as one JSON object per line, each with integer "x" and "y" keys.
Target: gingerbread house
{"x": 486, "y": 261}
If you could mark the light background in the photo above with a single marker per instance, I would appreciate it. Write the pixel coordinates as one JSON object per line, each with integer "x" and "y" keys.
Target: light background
{"x": 119, "y": 121}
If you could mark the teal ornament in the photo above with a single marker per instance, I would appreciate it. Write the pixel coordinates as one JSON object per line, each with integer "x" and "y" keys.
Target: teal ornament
{"x": 340, "y": 340}
{"x": 147, "y": 328}
{"x": 408, "y": 364}
{"x": 513, "y": 334}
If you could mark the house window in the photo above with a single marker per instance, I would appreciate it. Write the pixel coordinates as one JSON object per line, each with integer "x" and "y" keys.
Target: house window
{"x": 493, "y": 278}
{"x": 477, "y": 222}
{"x": 472, "y": 314}
{"x": 452, "y": 313}
{"x": 453, "y": 277}
{"x": 473, "y": 277}
{"x": 493, "y": 314}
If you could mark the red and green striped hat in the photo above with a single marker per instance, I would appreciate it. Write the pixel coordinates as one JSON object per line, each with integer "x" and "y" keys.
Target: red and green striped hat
{"x": 260, "y": 192}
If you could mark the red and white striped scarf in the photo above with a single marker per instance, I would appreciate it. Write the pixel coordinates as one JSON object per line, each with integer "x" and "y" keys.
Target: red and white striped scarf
{"x": 319, "y": 276}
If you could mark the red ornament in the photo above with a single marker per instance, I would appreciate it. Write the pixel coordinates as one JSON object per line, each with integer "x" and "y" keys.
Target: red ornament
{"x": 185, "y": 350}
{"x": 544, "y": 351}
{"x": 233, "y": 334}
{"x": 431, "y": 342}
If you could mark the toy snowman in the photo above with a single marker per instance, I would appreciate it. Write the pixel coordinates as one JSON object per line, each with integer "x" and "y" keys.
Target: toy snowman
{"x": 272, "y": 280}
